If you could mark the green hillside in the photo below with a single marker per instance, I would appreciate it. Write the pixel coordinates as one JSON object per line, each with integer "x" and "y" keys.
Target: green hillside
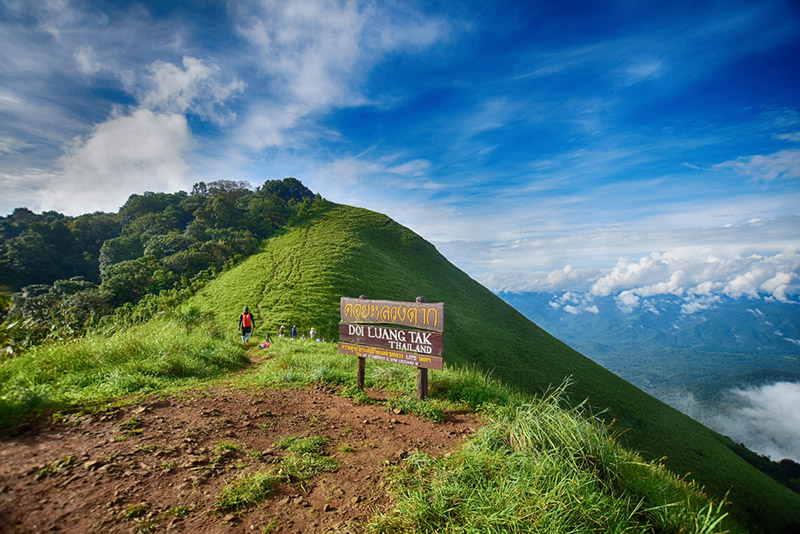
{"x": 299, "y": 276}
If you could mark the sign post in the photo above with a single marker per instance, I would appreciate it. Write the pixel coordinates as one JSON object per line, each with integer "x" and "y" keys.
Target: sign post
{"x": 369, "y": 329}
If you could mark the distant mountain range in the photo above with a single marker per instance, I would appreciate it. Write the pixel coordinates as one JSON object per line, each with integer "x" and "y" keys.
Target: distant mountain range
{"x": 660, "y": 348}
{"x": 692, "y": 357}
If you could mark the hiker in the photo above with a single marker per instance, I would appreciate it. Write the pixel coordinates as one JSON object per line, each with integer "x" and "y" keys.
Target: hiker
{"x": 294, "y": 331}
{"x": 246, "y": 324}
{"x": 266, "y": 344}
{"x": 312, "y": 334}
{"x": 280, "y": 331}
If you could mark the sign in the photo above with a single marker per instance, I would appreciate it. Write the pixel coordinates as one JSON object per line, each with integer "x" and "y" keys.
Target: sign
{"x": 393, "y": 356}
{"x": 401, "y": 339}
{"x": 368, "y": 330}
{"x": 412, "y": 314}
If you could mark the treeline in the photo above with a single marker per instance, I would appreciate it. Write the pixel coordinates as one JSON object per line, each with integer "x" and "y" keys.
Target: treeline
{"x": 61, "y": 273}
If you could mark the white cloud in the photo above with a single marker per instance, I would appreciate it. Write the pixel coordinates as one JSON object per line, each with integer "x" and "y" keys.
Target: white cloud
{"x": 195, "y": 88}
{"x": 87, "y": 61}
{"x": 136, "y": 152}
{"x": 793, "y": 137}
{"x": 673, "y": 274}
{"x": 766, "y": 420}
{"x": 781, "y": 165}
{"x": 627, "y": 301}
{"x": 9, "y": 145}
{"x": 694, "y": 304}
{"x": 315, "y": 56}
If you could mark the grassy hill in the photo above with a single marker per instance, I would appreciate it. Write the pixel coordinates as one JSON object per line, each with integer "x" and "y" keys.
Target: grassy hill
{"x": 299, "y": 276}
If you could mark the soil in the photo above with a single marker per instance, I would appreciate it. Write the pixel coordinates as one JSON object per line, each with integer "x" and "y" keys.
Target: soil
{"x": 158, "y": 466}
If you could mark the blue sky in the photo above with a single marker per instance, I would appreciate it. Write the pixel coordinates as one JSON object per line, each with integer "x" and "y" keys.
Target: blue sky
{"x": 606, "y": 148}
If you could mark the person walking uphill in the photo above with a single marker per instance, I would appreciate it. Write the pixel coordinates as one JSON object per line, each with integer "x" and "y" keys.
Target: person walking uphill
{"x": 246, "y": 324}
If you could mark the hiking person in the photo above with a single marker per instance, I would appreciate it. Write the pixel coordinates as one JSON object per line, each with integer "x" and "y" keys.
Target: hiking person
{"x": 280, "y": 331}
{"x": 294, "y": 332}
{"x": 266, "y": 344}
{"x": 246, "y": 323}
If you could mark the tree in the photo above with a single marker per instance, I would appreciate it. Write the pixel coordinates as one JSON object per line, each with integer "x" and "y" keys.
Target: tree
{"x": 43, "y": 253}
{"x": 167, "y": 244}
{"x": 127, "y": 247}
{"x": 130, "y": 280}
{"x": 149, "y": 202}
{"x": 287, "y": 189}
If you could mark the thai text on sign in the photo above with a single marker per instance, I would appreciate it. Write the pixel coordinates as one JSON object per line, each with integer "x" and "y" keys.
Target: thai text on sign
{"x": 412, "y": 314}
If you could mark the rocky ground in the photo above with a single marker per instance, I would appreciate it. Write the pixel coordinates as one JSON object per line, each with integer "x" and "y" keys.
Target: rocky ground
{"x": 160, "y": 465}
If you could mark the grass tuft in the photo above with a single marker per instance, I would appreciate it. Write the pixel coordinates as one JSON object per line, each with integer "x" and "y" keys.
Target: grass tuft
{"x": 248, "y": 490}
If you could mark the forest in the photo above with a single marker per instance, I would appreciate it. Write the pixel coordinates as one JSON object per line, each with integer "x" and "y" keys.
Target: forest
{"x": 60, "y": 275}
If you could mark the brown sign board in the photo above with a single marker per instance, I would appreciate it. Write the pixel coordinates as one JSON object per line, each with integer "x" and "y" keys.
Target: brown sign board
{"x": 423, "y": 315}
{"x": 387, "y": 355}
{"x": 400, "y": 339}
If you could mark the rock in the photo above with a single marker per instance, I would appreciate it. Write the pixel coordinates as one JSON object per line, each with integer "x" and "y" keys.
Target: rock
{"x": 93, "y": 464}
{"x": 355, "y": 500}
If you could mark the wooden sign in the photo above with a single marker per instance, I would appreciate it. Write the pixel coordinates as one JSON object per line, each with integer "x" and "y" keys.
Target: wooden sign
{"x": 367, "y": 331}
{"x": 412, "y": 314}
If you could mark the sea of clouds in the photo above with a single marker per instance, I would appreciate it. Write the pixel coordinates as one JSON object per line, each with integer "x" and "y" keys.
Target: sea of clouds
{"x": 765, "y": 418}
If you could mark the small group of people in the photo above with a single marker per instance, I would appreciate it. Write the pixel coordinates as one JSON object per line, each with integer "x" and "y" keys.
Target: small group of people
{"x": 247, "y": 325}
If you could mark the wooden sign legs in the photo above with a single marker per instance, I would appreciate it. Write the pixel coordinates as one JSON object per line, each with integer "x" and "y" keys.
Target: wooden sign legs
{"x": 422, "y": 383}
{"x": 362, "y": 364}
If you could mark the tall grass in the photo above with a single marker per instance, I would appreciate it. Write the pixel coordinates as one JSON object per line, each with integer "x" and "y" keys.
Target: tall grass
{"x": 540, "y": 468}
{"x": 168, "y": 351}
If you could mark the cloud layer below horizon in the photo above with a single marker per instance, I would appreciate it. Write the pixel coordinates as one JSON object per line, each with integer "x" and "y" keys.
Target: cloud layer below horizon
{"x": 765, "y": 418}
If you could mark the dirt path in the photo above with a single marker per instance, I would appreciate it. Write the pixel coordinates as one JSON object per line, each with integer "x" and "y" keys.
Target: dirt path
{"x": 160, "y": 466}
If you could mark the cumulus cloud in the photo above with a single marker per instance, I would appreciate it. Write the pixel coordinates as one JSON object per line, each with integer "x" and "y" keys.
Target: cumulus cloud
{"x": 139, "y": 151}
{"x": 701, "y": 280}
{"x": 575, "y": 303}
{"x": 698, "y": 303}
{"x": 627, "y": 301}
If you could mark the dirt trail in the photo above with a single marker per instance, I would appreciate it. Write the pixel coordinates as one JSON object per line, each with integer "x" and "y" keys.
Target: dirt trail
{"x": 158, "y": 466}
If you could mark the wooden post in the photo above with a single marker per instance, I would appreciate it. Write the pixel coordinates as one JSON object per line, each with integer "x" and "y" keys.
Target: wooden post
{"x": 422, "y": 383}
{"x": 362, "y": 364}
{"x": 422, "y": 373}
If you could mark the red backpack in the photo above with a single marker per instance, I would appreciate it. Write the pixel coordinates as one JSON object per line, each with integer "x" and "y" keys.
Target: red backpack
{"x": 247, "y": 320}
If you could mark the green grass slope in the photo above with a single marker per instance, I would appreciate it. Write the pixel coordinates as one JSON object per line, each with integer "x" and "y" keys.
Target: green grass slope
{"x": 300, "y": 275}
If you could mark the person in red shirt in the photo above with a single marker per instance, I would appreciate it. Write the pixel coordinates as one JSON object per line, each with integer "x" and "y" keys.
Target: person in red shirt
{"x": 246, "y": 324}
